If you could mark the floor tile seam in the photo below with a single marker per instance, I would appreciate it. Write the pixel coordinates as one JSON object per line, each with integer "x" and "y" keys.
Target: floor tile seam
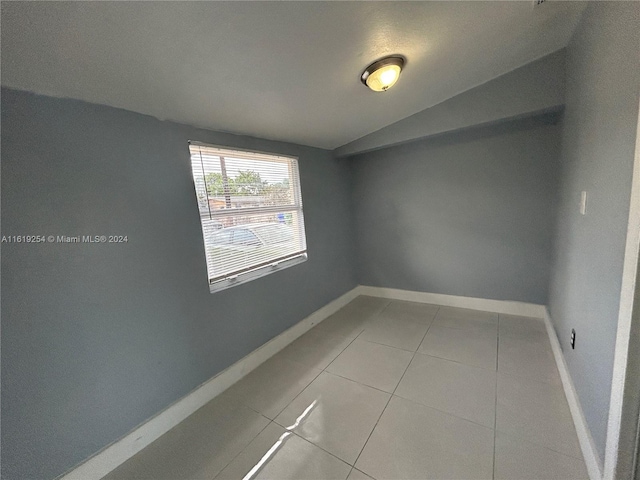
{"x": 508, "y": 409}
{"x": 528, "y": 405}
{"x": 296, "y": 363}
{"x": 520, "y": 316}
{"x": 344, "y": 378}
{"x": 443, "y": 411}
{"x": 466, "y": 309}
{"x": 468, "y": 313}
{"x": 321, "y": 333}
{"x": 385, "y": 307}
{"x": 403, "y": 374}
{"x": 474, "y": 318}
{"x": 372, "y": 430}
{"x": 477, "y": 328}
{"x": 313, "y": 444}
{"x": 495, "y": 407}
{"x": 544, "y": 337}
{"x": 463, "y": 329}
{"x": 367, "y": 474}
{"x": 341, "y": 352}
{"x": 539, "y": 351}
{"x": 532, "y": 336}
{"x": 359, "y": 383}
{"x": 307, "y": 368}
{"x": 515, "y": 359}
{"x": 533, "y": 324}
{"x": 387, "y": 404}
{"x": 533, "y": 376}
{"x": 296, "y": 396}
{"x": 456, "y": 361}
{"x": 293, "y": 432}
{"x": 400, "y": 318}
{"x": 376, "y": 312}
{"x": 410, "y": 361}
{"x": 529, "y": 379}
{"x": 527, "y": 347}
{"x": 385, "y": 345}
{"x": 448, "y": 414}
{"x": 244, "y": 448}
{"x": 428, "y": 328}
{"x": 539, "y": 444}
{"x": 240, "y": 398}
{"x": 285, "y": 360}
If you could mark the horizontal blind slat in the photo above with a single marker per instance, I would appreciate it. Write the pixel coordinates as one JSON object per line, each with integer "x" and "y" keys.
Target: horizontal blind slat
{"x": 257, "y": 266}
{"x": 224, "y": 212}
{"x": 250, "y": 209}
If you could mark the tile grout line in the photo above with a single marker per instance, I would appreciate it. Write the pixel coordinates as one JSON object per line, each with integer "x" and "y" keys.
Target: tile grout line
{"x": 385, "y": 345}
{"x": 528, "y": 379}
{"x": 444, "y": 412}
{"x": 457, "y": 362}
{"x": 394, "y": 391}
{"x": 270, "y": 421}
{"x": 306, "y": 386}
{"x": 375, "y": 314}
{"x": 244, "y": 448}
{"x": 323, "y": 370}
{"x": 359, "y": 383}
{"x": 495, "y": 411}
{"x": 318, "y": 446}
{"x": 371, "y": 319}
{"x": 315, "y": 445}
{"x": 541, "y": 446}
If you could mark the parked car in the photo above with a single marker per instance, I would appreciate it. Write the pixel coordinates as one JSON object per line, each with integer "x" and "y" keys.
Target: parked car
{"x": 210, "y": 228}
{"x": 234, "y": 248}
{"x": 253, "y": 235}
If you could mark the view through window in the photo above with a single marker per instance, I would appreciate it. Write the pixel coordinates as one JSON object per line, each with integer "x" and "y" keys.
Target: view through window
{"x": 251, "y": 213}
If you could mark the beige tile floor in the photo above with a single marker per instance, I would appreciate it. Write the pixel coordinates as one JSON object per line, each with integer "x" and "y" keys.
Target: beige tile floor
{"x": 385, "y": 390}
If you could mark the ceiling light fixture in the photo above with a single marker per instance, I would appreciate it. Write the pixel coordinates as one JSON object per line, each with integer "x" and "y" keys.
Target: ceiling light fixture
{"x": 383, "y": 74}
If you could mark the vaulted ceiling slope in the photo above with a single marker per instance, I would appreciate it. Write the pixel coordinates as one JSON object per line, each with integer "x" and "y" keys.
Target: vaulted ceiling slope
{"x": 278, "y": 70}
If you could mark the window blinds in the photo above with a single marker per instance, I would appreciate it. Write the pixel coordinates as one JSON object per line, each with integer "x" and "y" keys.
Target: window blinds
{"x": 251, "y": 213}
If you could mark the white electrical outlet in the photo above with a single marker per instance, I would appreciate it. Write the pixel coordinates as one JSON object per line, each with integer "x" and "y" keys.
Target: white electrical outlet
{"x": 583, "y": 202}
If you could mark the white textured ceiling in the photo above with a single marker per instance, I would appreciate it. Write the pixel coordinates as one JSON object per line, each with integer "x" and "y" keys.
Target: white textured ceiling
{"x": 278, "y": 70}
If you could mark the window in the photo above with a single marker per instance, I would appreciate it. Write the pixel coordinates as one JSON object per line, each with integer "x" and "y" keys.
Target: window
{"x": 251, "y": 213}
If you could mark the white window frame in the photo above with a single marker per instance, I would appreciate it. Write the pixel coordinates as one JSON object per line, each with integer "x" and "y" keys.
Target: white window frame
{"x": 247, "y": 274}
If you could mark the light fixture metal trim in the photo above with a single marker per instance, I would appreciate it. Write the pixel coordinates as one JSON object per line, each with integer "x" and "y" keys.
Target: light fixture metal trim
{"x": 393, "y": 60}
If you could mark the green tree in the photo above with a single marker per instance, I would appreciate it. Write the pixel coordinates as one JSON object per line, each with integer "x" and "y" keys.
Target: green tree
{"x": 215, "y": 185}
{"x": 278, "y": 194}
{"x": 245, "y": 183}
{"x": 249, "y": 183}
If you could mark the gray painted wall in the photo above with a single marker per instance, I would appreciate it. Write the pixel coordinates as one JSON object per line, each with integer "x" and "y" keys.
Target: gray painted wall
{"x": 468, "y": 213}
{"x": 98, "y": 338}
{"x": 598, "y": 142}
{"x": 535, "y": 87}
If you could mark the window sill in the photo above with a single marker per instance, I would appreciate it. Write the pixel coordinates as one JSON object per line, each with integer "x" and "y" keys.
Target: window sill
{"x": 254, "y": 274}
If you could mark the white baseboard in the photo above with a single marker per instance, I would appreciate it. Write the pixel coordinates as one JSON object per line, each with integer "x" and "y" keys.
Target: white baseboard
{"x": 506, "y": 307}
{"x": 589, "y": 452}
{"x": 118, "y": 452}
